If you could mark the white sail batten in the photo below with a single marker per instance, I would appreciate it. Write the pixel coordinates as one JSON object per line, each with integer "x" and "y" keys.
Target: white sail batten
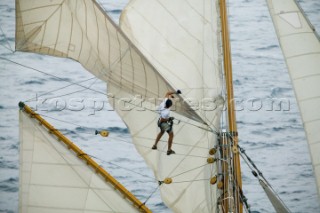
{"x": 301, "y": 48}
{"x": 82, "y": 31}
{"x": 54, "y": 178}
{"x": 181, "y": 39}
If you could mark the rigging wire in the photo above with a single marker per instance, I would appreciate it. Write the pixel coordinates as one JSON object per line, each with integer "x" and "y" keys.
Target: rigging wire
{"x": 255, "y": 171}
{"x": 62, "y": 79}
{"x": 7, "y": 41}
{"x": 123, "y": 140}
{"x": 85, "y": 88}
{"x": 198, "y": 167}
{"x": 66, "y": 94}
{"x": 133, "y": 171}
{"x": 154, "y": 191}
{"x": 190, "y": 181}
{"x": 213, "y": 130}
{"x": 55, "y": 90}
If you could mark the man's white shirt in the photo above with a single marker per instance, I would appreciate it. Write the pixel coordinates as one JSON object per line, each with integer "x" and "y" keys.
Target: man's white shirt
{"x": 164, "y": 112}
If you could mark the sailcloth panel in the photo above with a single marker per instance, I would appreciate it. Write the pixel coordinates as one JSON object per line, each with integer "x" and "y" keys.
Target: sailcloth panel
{"x": 190, "y": 191}
{"x": 181, "y": 39}
{"x": 80, "y": 30}
{"x": 54, "y": 179}
{"x": 301, "y": 48}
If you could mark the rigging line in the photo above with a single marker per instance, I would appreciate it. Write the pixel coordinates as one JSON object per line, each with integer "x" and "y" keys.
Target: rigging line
{"x": 140, "y": 145}
{"x": 108, "y": 95}
{"x": 162, "y": 141}
{"x": 63, "y": 121}
{"x": 187, "y": 145}
{"x": 143, "y": 175}
{"x": 200, "y": 127}
{"x": 118, "y": 139}
{"x": 154, "y": 191}
{"x": 188, "y": 181}
{"x": 88, "y": 88}
{"x": 62, "y": 79}
{"x": 257, "y": 173}
{"x": 7, "y": 41}
{"x": 59, "y": 89}
{"x": 231, "y": 172}
{"x": 7, "y": 48}
{"x": 189, "y": 170}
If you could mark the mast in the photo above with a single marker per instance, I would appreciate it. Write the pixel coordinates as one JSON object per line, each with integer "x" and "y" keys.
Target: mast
{"x": 231, "y": 112}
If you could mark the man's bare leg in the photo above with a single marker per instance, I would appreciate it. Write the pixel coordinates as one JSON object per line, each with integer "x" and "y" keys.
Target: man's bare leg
{"x": 170, "y": 140}
{"x": 158, "y": 138}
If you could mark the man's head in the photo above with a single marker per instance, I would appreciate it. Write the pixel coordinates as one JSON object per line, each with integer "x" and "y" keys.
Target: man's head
{"x": 168, "y": 103}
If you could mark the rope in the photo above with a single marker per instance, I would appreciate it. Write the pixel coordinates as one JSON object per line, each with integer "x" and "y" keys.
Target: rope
{"x": 62, "y": 79}
{"x": 255, "y": 171}
{"x": 63, "y": 121}
{"x": 237, "y": 189}
{"x": 188, "y": 181}
{"x": 143, "y": 175}
{"x": 55, "y": 90}
{"x": 154, "y": 191}
{"x": 189, "y": 170}
{"x": 7, "y": 41}
{"x": 123, "y": 140}
{"x": 66, "y": 94}
{"x": 88, "y": 88}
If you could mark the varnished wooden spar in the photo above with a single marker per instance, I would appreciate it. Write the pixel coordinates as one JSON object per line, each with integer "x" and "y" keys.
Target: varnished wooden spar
{"x": 231, "y": 107}
{"x": 136, "y": 203}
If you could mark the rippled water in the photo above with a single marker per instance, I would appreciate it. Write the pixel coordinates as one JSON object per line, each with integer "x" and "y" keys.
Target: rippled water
{"x": 273, "y": 138}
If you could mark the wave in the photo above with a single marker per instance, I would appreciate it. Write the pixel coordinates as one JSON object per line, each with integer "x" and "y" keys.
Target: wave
{"x": 9, "y": 185}
{"x": 4, "y": 164}
{"x": 31, "y": 82}
{"x": 267, "y": 48}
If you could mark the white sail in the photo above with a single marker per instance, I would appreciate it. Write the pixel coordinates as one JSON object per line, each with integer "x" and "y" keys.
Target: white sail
{"x": 180, "y": 38}
{"x": 80, "y": 30}
{"x": 301, "y": 48}
{"x": 53, "y": 178}
{"x": 185, "y": 56}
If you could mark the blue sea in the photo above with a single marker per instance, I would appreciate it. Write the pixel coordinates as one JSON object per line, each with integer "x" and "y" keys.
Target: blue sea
{"x": 273, "y": 138}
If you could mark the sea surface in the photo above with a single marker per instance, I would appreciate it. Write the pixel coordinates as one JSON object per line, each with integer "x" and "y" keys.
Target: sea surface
{"x": 274, "y": 139}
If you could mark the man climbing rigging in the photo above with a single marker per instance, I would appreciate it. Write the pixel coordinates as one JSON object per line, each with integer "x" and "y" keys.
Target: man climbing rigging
{"x": 165, "y": 122}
